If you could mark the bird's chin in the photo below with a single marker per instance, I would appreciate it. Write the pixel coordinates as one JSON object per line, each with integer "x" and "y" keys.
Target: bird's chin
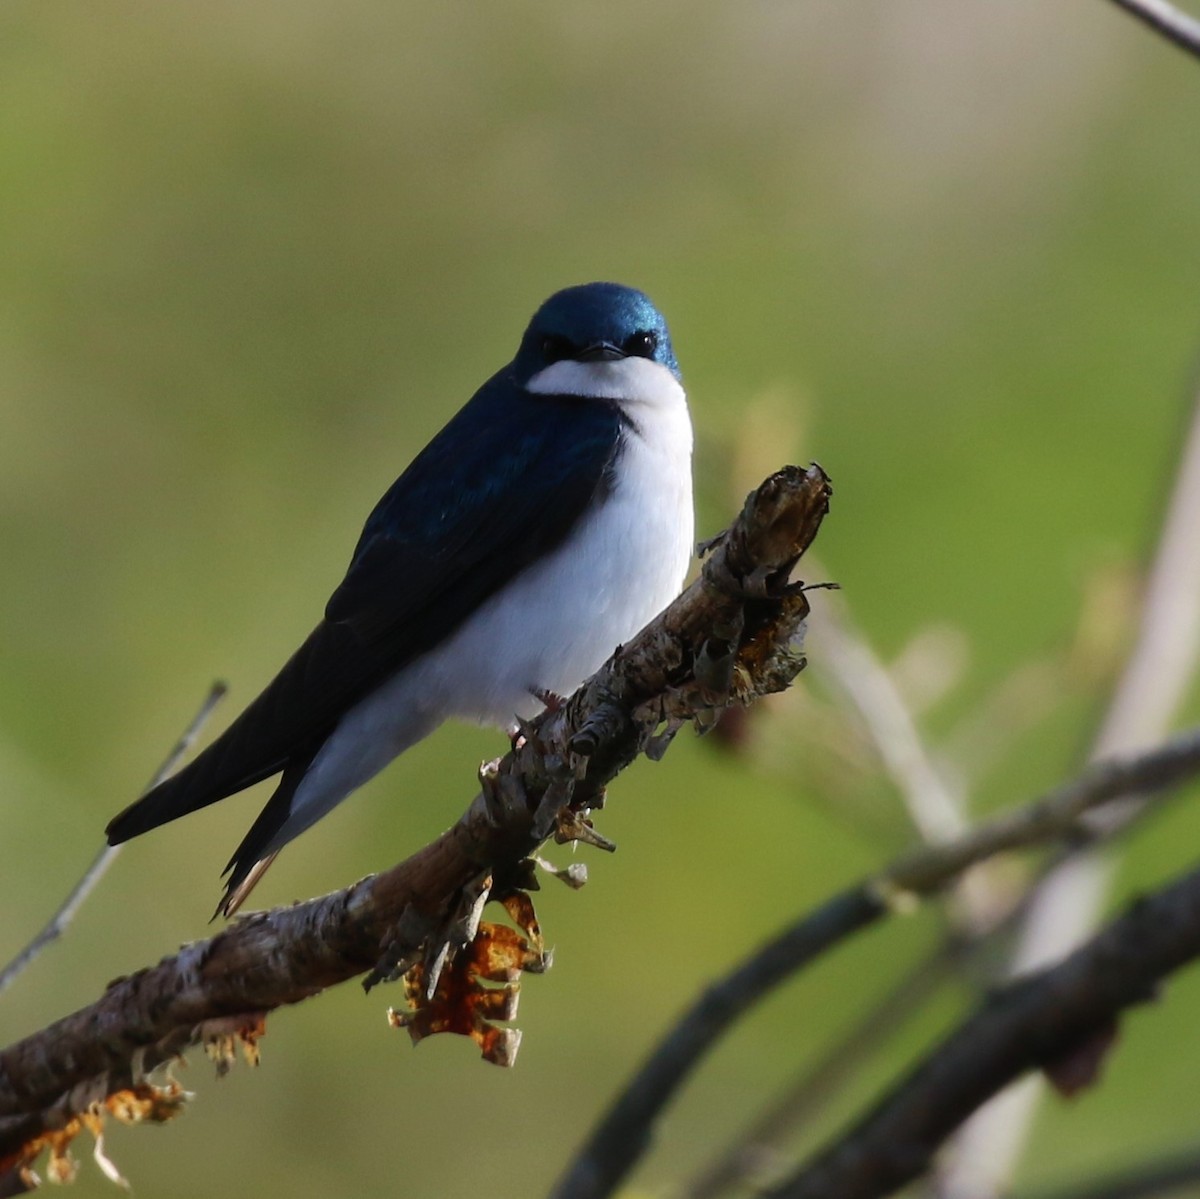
{"x": 626, "y": 379}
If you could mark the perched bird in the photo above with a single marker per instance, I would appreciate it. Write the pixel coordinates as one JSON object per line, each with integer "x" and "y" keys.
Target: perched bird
{"x": 545, "y": 524}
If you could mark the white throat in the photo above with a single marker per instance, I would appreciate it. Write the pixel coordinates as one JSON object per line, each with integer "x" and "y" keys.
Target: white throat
{"x": 629, "y": 381}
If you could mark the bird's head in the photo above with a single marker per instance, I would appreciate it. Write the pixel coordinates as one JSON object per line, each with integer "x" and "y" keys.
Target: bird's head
{"x": 593, "y": 339}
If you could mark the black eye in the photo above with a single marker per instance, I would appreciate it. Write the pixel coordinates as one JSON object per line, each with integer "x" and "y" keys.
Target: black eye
{"x": 555, "y": 349}
{"x": 641, "y": 345}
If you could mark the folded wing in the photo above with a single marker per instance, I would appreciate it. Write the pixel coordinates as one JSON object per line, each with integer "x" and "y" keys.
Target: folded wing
{"x": 499, "y": 487}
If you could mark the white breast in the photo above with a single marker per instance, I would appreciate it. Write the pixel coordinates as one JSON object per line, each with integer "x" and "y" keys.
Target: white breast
{"x": 561, "y": 619}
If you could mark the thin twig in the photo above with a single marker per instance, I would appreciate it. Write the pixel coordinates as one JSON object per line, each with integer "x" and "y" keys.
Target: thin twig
{"x": 928, "y": 868}
{"x": 624, "y": 1132}
{"x": 848, "y": 660}
{"x": 1174, "y": 24}
{"x": 60, "y": 921}
{"x": 936, "y": 807}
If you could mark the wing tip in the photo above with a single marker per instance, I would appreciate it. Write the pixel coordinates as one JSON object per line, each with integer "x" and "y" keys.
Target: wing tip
{"x": 130, "y": 822}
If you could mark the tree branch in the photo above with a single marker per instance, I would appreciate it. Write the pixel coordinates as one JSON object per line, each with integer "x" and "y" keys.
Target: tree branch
{"x": 1032, "y": 1023}
{"x": 624, "y": 1132}
{"x": 731, "y": 637}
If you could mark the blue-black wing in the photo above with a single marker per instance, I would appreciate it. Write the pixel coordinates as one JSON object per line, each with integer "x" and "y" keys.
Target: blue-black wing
{"x": 502, "y": 485}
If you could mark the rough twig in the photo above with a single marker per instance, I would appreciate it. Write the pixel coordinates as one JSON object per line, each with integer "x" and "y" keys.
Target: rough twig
{"x": 1174, "y": 24}
{"x": 279, "y": 957}
{"x": 1033, "y": 1023}
{"x": 61, "y": 920}
{"x": 625, "y": 1131}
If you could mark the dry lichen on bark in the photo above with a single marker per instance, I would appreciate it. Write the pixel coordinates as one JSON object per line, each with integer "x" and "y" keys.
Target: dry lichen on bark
{"x": 733, "y": 636}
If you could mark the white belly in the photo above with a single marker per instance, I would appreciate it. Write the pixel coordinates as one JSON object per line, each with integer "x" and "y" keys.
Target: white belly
{"x": 564, "y": 616}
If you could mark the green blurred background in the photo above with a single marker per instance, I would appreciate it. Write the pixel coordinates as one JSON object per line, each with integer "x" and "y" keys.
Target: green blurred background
{"x": 253, "y": 255}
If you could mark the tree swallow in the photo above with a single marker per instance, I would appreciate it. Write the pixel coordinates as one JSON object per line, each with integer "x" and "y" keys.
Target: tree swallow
{"x": 545, "y": 524}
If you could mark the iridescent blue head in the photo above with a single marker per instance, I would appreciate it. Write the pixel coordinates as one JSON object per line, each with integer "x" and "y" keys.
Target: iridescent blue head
{"x": 595, "y": 322}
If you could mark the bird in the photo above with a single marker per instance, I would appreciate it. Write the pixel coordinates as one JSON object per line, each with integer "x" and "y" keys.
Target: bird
{"x": 547, "y": 523}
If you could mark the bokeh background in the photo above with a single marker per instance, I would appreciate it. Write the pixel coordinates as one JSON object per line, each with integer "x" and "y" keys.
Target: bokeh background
{"x": 252, "y": 255}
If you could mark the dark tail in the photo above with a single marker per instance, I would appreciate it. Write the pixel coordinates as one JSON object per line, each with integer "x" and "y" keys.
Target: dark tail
{"x": 233, "y": 762}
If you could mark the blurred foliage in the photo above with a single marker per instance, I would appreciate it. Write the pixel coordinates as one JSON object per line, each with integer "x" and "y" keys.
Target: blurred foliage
{"x": 254, "y": 255}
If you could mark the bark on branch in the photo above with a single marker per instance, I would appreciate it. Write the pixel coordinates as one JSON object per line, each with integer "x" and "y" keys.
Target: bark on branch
{"x": 733, "y": 636}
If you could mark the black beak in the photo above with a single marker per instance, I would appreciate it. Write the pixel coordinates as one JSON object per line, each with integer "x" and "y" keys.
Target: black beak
{"x": 601, "y": 351}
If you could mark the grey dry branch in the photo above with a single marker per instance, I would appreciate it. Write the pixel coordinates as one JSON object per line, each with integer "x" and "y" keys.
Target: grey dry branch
{"x": 731, "y": 637}
{"x": 1174, "y": 24}
{"x": 625, "y": 1131}
{"x": 1053, "y": 816}
{"x": 69, "y": 909}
